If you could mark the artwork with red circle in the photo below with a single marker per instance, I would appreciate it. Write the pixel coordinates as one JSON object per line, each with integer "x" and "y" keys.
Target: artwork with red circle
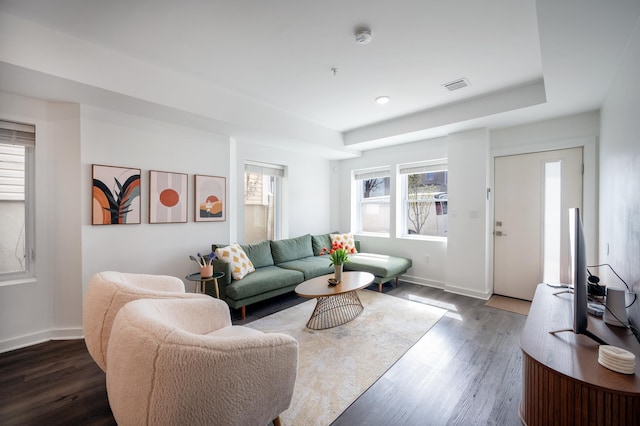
{"x": 167, "y": 197}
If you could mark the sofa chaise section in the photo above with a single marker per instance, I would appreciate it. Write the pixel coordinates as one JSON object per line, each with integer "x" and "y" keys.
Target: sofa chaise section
{"x": 385, "y": 268}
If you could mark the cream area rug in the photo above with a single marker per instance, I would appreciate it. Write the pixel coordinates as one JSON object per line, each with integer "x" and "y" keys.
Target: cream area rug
{"x": 510, "y": 304}
{"x": 338, "y": 364}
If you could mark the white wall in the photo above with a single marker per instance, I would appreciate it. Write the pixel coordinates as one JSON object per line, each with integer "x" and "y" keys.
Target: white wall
{"x": 539, "y": 135}
{"x": 620, "y": 176}
{"x": 306, "y": 193}
{"x": 115, "y": 139}
{"x": 467, "y": 268}
{"x": 432, "y": 273}
{"x": 26, "y": 314}
{"x": 69, "y": 139}
{"x": 65, "y": 212}
{"x": 471, "y": 155}
{"x": 580, "y": 130}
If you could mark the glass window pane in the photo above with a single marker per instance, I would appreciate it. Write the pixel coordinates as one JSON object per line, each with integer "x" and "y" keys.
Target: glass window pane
{"x": 261, "y": 207}
{"x": 374, "y": 205}
{"x": 552, "y": 220}
{"x": 376, "y": 217}
{"x": 376, "y": 187}
{"x": 13, "y": 246}
{"x": 426, "y": 204}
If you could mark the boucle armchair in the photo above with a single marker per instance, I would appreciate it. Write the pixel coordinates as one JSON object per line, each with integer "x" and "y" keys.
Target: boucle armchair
{"x": 181, "y": 362}
{"x": 109, "y": 291}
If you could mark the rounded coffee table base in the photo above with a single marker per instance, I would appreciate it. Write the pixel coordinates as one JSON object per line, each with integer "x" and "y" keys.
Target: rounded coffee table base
{"x": 331, "y": 311}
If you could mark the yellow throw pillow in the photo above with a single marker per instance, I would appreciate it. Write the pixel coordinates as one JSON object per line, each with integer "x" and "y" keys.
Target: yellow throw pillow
{"x": 347, "y": 239}
{"x": 233, "y": 254}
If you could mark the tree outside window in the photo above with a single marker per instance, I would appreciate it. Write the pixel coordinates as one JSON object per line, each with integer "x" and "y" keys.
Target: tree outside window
{"x": 426, "y": 204}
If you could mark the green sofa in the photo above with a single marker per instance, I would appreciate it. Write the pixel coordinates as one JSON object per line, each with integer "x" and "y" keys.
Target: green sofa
{"x": 281, "y": 265}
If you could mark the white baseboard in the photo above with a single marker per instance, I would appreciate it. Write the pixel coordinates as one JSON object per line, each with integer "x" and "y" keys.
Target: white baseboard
{"x": 422, "y": 281}
{"x": 448, "y": 288}
{"x": 67, "y": 334}
{"x": 466, "y": 292}
{"x": 40, "y": 337}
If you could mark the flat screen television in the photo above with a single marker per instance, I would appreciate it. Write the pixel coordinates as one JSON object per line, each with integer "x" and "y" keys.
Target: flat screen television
{"x": 578, "y": 268}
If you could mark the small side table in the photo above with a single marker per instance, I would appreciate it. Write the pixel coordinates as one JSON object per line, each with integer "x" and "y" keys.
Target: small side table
{"x": 202, "y": 282}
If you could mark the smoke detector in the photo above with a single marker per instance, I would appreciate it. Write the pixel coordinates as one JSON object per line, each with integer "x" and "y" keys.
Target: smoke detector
{"x": 363, "y": 35}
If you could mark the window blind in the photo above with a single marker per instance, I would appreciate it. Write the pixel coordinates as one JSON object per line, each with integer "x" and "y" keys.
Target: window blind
{"x": 17, "y": 134}
{"x": 264, "y": 169}
{"x": 371, "y": 174}
{"x": 423, "y": 167}
{"x": 15, "y": 138}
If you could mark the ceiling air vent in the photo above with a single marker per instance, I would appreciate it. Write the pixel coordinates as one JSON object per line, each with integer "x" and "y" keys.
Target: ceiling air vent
{"x": 456, "y": 84}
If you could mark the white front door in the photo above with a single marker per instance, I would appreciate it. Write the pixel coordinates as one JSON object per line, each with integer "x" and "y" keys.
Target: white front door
{"x": 532, "y": 196}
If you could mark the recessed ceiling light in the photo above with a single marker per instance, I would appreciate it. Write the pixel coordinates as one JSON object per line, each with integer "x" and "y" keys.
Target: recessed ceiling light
{"x": 383, "y": 100}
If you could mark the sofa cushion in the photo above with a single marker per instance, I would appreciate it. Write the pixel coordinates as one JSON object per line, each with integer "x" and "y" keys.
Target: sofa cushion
{"x": 259, "y": 254}
{"x": 240, "y": 264}
{"x": 378, "y": 264}
{"x": 311, "y": 267}
{"x": 291, "y": 249}
{"x": 346, "y": 239}
{"x": 318, "y": 242}
{"x": 263, "y": 280}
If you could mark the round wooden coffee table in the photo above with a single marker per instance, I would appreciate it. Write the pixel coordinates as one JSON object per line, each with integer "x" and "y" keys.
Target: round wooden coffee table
{"x": 335, "y": 305}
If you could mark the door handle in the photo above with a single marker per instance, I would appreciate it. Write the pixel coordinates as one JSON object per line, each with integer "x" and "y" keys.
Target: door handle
{"x": 499, "y": 234}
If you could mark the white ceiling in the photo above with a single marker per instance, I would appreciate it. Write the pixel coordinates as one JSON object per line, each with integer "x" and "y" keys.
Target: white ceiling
{"x": 526, "y": 60}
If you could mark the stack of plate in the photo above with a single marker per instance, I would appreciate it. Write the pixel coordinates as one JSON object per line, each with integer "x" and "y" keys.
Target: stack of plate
{"x": 617, "y": 359}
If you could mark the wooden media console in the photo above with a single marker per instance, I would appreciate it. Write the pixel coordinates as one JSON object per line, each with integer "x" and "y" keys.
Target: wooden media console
{"x": 562, "y": 381}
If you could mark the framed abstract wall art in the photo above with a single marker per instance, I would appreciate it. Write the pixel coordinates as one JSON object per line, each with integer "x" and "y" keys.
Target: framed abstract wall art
{"x": 167, "y": 197}
{"x": 116, "y": 195}
{"x": 210, "y": 198}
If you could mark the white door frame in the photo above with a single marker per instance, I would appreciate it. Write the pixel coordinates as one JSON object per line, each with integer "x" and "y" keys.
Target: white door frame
{"x": 590, "y": 190}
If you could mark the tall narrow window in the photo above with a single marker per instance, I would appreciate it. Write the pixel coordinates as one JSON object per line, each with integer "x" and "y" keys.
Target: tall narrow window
{"x": 552, "y": 221}
{"x": 262, "y": 201}
{"x": 17, "y": 145}
{"x": 425, "y": 198}
{"x": 372, "y": 195}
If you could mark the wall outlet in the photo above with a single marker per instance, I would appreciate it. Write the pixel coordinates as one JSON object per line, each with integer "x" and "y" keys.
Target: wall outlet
{"x": 427, "y": 258}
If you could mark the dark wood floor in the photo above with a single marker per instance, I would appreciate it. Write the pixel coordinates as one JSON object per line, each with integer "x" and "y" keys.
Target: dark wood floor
{"x": 465, "y": 371}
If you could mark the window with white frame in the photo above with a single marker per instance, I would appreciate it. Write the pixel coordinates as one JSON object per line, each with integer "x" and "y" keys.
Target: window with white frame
{"x": 17, "y": 148}
{"x": 424, "y": 198}
{"x": 262, "y": 201}
{"x": 372, "y": 195}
